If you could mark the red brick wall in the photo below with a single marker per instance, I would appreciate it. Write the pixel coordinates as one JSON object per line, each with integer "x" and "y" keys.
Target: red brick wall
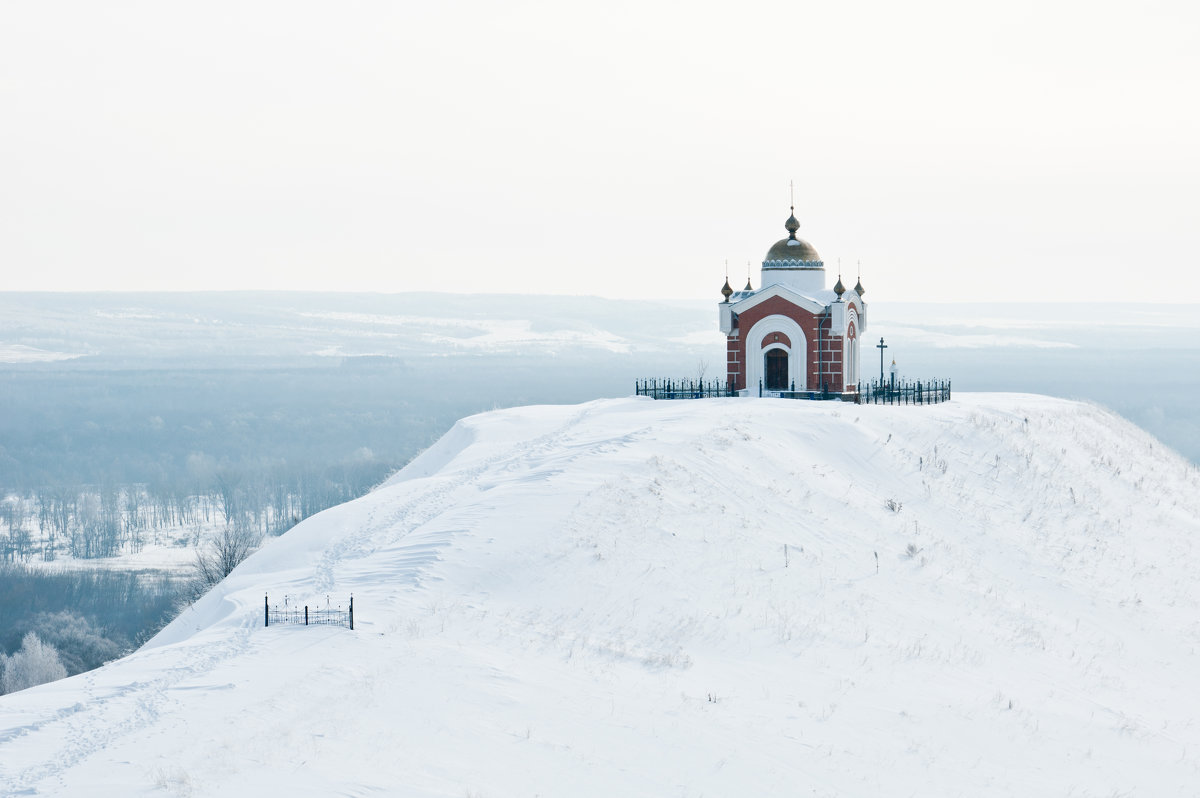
{"x": 826, "y": 368}
{"x": 777, "y": 338}
{"x": 831, "y": 362}
{"x": 831, "y": 367}
{"x": 734, "y": 360}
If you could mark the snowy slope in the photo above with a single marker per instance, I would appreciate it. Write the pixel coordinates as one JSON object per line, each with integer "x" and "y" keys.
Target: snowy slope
{"x": 594, "y": 600}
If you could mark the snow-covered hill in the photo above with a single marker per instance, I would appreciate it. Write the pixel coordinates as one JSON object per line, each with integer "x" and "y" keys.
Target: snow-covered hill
{"x": 995, "y": 596}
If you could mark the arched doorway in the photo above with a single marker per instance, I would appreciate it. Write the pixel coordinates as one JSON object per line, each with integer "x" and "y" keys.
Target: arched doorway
{"x": 775, "y": 367}
{"x": 790, "y": 341}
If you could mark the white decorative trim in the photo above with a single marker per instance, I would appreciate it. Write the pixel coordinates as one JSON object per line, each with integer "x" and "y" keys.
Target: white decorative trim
{"x": 756, "y": 355}
{"x": 860, "y": 309}
{"x": 799, "y": 300}
{"x": 850, "y": 355}
{"x": 837, "y": 318}
{"x": 793, "y": 264}
{"x": 725, "y": 317}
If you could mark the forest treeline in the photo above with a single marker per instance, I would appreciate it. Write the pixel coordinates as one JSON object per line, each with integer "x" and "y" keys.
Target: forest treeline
{"x": 56, "y": 623}
{"x": 80, "y": 618}
{"x": 91, "y": 521}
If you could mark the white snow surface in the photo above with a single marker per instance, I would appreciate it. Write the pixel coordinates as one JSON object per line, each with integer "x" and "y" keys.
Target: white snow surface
{"x": 594, "y": 600}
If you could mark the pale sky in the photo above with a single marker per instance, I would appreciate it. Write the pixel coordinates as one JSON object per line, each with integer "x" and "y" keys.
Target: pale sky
{"x": 1007, "y": 151}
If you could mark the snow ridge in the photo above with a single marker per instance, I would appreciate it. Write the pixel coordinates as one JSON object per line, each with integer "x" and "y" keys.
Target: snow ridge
{"x": 993, "y": 596}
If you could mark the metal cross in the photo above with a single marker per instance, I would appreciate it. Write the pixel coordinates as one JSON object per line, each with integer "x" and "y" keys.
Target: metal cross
{"x": 881, "y": 346}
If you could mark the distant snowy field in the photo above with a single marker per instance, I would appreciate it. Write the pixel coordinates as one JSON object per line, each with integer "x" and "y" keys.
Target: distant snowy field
{"x": 1141, "y": 360}
{"x": 994, "y": 596}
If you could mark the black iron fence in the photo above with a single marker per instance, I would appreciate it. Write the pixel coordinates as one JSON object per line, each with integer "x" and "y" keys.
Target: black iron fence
{"x": 928, "y": 392}
{"x": 918, "y": 392}
{"x": 292, "y": 612}
{"x": 813, "y": 395}
{"x": 683, "y": 389}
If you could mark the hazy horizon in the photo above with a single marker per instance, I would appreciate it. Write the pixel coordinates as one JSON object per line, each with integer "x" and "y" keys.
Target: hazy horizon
{"x": 447, "y": 355}
{"x": 666, "y": 300}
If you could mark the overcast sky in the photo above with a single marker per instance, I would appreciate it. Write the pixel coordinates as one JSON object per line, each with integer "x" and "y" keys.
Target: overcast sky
{"x": 1001, "y": 151}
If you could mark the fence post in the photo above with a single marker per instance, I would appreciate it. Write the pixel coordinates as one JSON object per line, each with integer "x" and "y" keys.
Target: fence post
{"x": 266, "y": 611}
{"x": 306, "y": 615}
{"x": 351, "y": 612}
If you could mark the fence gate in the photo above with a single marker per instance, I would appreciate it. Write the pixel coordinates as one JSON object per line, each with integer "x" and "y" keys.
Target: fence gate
{"x": 293, "y": 613}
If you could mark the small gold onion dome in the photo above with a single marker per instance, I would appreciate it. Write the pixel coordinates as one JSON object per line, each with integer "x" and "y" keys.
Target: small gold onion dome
{"x": 748, "y": 287}
{"x": 726, "y": 291}
{"x": 792, "y": 224}
{"x": 858, "y": 289}
{"x": 839, "y": 289}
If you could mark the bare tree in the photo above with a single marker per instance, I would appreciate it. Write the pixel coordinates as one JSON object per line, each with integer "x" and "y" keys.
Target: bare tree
{"x": 217, "y": 560}
{"x": 228, "y": 486}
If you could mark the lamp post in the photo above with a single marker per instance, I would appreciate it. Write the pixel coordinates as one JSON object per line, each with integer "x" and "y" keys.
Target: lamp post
{"x": 881, "y": 346}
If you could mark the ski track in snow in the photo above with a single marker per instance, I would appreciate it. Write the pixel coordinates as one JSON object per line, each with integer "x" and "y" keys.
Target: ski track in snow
{"x": 113, "y": 714}
{"x": 400, "y": 528}
{"x": 432, "y": 499}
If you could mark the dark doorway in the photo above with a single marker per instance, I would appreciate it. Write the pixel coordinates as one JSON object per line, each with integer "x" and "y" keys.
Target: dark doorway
{"x": 777, "y": 370}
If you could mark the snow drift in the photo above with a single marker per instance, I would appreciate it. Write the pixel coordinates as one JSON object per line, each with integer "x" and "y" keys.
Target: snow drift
{"x": 994, "y": 596}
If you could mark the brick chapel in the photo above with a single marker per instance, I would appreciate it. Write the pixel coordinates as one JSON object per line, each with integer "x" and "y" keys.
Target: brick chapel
{"x": 793, "y": 333}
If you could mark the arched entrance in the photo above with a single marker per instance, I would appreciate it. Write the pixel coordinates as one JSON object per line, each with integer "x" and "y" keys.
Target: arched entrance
{"x": 775, "y": 367}
{"x": 762, "y": 339}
